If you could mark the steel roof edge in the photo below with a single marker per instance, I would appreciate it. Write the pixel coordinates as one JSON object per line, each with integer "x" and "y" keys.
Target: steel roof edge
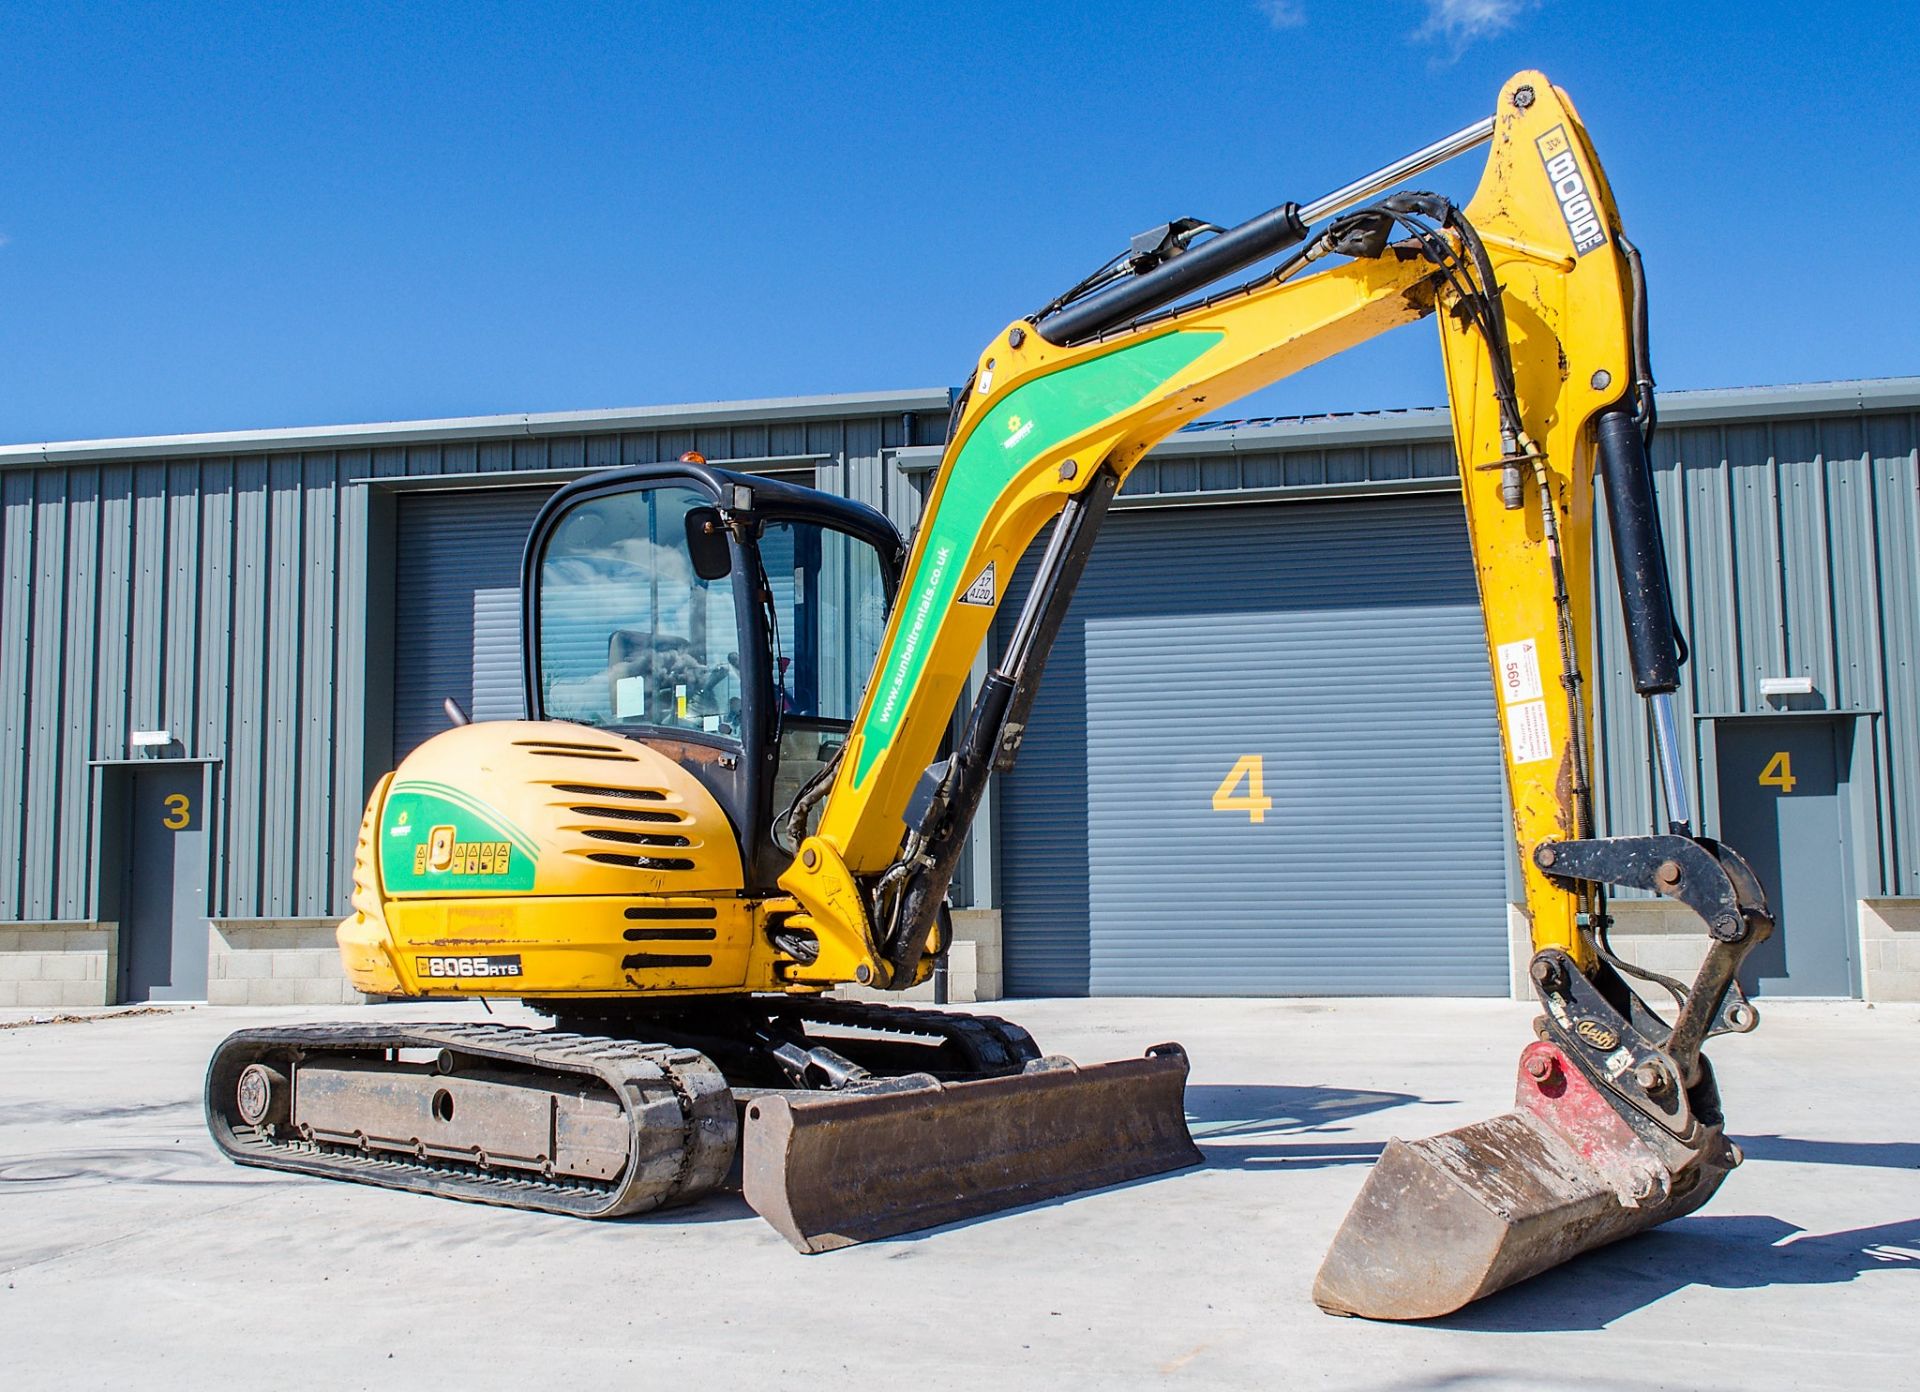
{"x": 1420, "y": 423}
{"x": 1428, "y": 423}
{"x": 1693, "y": 407}
{"x": 330, "y": 437}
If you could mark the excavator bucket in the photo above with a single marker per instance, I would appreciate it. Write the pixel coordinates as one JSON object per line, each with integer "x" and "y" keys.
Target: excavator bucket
{"x": 831, "y": 1169}
{"x": 1443, "y": 1221}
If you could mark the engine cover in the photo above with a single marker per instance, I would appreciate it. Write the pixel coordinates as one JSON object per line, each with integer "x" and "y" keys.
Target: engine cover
{"x": 548, "y": 859}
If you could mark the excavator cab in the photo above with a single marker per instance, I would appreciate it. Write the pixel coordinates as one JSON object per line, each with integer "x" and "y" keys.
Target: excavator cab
{"x": 725, "y": 620}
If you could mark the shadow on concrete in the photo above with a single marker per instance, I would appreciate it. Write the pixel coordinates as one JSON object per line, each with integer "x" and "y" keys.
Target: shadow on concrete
{"x": 1237, "y": 1126}
{"x": 1884, "y": 1155}
{"x": 63, "y": 1114}
{"x": 1505, "y": 1380}
{"x": 1724, "y": 1252}
{"x": 169, "y": 1166}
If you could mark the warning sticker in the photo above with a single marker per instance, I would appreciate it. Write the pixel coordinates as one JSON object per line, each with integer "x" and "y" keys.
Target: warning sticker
{"x": 983, "y": 589}
{"x": 1519, "y": 672}
{"x": 1527, "y": 739}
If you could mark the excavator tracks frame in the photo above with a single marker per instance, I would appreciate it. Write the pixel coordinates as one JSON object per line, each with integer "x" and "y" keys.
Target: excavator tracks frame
{"x": 670, "y": 1107}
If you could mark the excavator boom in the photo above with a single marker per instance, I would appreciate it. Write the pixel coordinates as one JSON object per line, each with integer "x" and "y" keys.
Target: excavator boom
{"x": 1540, "y": 302}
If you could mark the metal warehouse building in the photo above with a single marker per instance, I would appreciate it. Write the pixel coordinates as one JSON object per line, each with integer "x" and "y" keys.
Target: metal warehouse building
{"x": 211, "y": 646}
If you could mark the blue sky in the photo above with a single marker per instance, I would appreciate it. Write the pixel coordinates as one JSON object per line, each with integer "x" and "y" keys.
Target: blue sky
{"x": 252, "y": 216}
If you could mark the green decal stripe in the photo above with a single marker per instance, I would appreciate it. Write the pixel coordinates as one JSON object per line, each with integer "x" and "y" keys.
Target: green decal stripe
{"x": 428, "y": 805}
{"x": 466, "y": 802}
{"x": 1029, "y": 421}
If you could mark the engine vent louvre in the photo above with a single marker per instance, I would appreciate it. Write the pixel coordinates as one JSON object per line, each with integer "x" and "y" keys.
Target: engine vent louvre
{"x": 627, "y": 814}
{"x": 634, "y": 838}
{"x": 633, "y": 862}
{"x": 594, "y": 790}
{"x": 608, "y": 756}
{"x": 671, "y": 934}
{"x": 666, "y": 913}
{"x": 641, "y": 960}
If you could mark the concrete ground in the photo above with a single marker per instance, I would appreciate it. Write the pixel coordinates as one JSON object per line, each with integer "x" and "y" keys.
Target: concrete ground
{"x": 131, "y": 1254}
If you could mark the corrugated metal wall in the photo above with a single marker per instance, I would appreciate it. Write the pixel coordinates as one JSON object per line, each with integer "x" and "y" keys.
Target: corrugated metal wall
{"x": 1795, "y": 547}
{"x": 1340, "y": 642}
{"x": 1329, "y": 469}
{"x": 457, "y": 585}
{"x": 224, "y": 598}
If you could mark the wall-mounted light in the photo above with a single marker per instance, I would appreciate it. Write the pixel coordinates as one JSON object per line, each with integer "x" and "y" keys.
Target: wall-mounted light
{"x": 150, "y": 739}
{"x": 1770, "y": 687}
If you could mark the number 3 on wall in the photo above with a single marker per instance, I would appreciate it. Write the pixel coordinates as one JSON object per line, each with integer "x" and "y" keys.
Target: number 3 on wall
{"x": 179, "y": 812}
{"x": 1779, "y": 773}
{"x": 1254, "y": 802}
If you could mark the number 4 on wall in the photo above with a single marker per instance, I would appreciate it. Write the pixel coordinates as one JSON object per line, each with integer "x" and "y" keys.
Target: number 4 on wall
{"x": 1250, "y": 769}
{"x": 1779, "y": 773}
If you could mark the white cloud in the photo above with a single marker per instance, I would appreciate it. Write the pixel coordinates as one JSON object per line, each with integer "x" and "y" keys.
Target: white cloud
{"x": 1458, "y": 23}
{"x": 1283, "y": 14}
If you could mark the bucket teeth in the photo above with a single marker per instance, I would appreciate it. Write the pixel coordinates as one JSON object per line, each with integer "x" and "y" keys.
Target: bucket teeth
{"x": 1443, "y": 1221}
{"x": 833, "y": 1169}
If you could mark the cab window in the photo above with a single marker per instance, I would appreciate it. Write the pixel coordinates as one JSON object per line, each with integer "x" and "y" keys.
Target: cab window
{"x": 629, "y": 634}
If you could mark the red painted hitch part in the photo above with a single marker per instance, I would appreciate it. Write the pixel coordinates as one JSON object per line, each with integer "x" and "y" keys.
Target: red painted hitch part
{"x": 1443, "y": 1221}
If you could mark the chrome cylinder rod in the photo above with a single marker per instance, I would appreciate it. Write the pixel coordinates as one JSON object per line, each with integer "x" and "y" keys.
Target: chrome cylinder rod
{"x": 1419, "y": 162}
{"x": 1673, "y": 778}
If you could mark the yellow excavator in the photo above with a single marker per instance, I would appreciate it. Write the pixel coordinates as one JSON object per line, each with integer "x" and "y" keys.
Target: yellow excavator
{"x": 737, "y": 789}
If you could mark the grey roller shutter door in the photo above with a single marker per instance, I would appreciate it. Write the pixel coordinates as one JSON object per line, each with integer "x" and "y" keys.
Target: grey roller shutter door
{"x": 457, "y": 607}
{"x": 1341, "y": 644}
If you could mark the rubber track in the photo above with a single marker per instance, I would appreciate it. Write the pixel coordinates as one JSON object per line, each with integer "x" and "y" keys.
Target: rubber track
{"x": 666, "y": 1169}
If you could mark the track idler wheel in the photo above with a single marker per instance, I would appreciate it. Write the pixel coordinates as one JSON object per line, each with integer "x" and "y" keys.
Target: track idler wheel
{"x": 261, "y": 1095}
{"x": 1443, "y": 1221}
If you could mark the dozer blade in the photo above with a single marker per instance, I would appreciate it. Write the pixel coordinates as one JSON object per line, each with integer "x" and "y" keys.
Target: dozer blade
{"x": 833, "y": 1169}
{"x": 1443, "y": 1221}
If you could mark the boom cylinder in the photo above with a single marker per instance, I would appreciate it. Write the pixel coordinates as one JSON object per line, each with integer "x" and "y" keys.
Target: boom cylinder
{"x": 1241, "y": 246}
{"x": 1639, "y": 558}
{"x": 1640, "y": 561}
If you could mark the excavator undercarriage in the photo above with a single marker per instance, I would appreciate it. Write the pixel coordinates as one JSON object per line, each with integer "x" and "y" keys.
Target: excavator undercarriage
{"x": 829, "y": 1109}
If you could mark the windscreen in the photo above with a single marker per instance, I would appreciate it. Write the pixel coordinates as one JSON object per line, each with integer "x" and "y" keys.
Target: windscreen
{"x": 629, "y": 634}
{"x": 829, "y": 612}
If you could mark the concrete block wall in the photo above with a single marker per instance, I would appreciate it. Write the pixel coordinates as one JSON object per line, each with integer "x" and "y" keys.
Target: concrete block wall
{"x": 1655, "y": 934}
{"x": 55, "y": 964}
{"x": 276, "y": 962}
{"x": 973, "y": 965}
{"x": 1659, "y": 935}
{"x": 976, "y": 939}
{"x": 1890, "y": 949}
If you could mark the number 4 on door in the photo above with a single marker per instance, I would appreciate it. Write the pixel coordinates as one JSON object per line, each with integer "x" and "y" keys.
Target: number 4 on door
{"x": 1251, "y": 769}
{"x": 1779, "y": 773}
